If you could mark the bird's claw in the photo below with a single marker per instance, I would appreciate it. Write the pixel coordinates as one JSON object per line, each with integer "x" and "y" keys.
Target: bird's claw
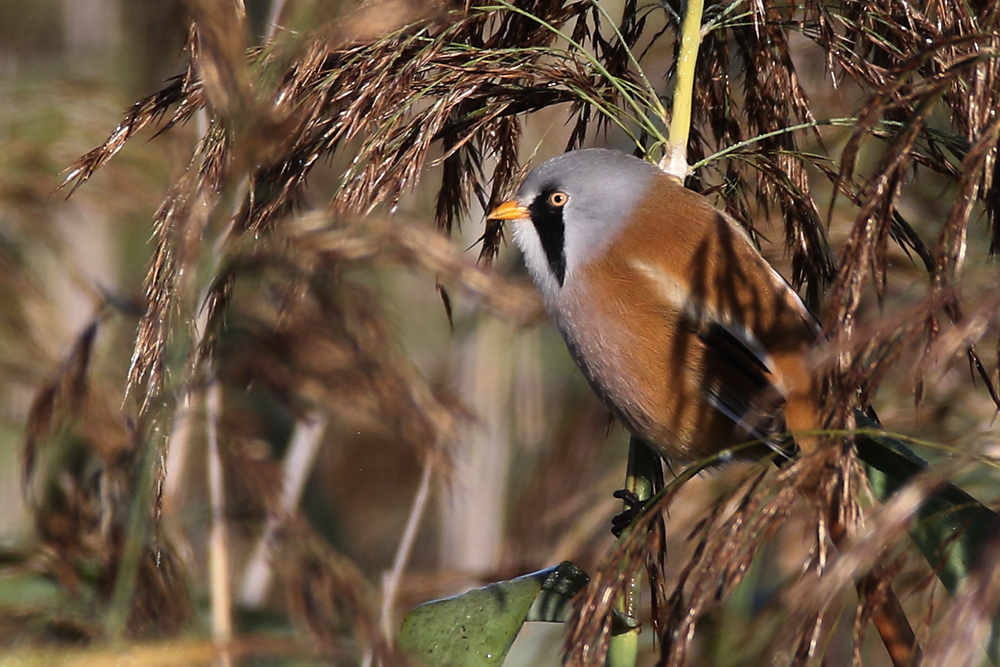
{"x": 633, "y": 507}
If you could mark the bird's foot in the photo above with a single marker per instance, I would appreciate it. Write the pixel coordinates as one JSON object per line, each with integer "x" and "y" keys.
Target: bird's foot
{"x": 633, "y": 508}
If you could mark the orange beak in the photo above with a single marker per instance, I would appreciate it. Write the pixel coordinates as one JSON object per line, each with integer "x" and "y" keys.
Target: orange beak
{"x": 509, "y": 210}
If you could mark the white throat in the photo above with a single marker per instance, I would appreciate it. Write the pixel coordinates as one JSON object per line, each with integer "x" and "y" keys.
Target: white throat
{"x": 526, "y": 238}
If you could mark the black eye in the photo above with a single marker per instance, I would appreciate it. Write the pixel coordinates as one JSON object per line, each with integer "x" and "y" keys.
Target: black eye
{"x": 558, "y": 199}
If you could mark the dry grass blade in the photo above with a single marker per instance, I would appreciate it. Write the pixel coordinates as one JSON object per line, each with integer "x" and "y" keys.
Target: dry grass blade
{"x": 461, "y": 84}
{"x": 314, "y": 341}
{"x": 317, "y": 135}
{"x": 399, "y": 93}
{"x": 181, "y": 223}
{"x": 145, "y": 113}
{"x": 79, "y": 449}
{"x": 217, "y": 42}
{"x": 866, "y": 248}
{"x": 59, "y": 399}
{"x": 330, "y": 348}
{"x": 408, "y": 245}
{"x": 952, "y": 240}
{"x": 726, "y": 542}
{"x": 876, "y": 349}
{"x": 325, "y": 590}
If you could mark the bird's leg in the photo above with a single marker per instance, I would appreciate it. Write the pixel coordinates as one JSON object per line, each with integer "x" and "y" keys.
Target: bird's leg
{"x": 643, "y": 477}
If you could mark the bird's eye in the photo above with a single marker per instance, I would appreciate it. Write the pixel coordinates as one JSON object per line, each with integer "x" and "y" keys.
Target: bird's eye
{"x": 558, "y": 199}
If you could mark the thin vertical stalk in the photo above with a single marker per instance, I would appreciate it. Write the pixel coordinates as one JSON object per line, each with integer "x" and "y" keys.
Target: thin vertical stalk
{"x": 623, "y": 649}
{"x": 390, "y": 583}
{"x": 218, "y": 546}
{"x": 273, "y": 16}
{"x": 675, "y": 160}
{"x": 297, "y": 465}
{"x": 176, "y": 457}
{"x": 472, "y": 531}
{"x": 390, "y": 587}
{"x": 136, "y": 537}
{"x": 178, "y": 445}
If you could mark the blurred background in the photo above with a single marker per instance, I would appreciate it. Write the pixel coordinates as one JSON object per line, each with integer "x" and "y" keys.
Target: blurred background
{"x": 528, "y": 479}
{"x": 69, "y": 70}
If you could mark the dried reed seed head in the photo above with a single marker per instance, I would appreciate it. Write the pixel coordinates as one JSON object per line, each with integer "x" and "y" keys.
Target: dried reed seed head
{"x": 451, "y": 92}
{"x": 324, "y": 590}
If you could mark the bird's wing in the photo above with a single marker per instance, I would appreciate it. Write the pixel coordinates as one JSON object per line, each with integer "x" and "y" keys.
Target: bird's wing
{"x": 740, "y": 384}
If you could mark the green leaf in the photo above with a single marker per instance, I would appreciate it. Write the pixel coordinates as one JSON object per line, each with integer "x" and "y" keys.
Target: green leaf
{"x": 478, "y": 627}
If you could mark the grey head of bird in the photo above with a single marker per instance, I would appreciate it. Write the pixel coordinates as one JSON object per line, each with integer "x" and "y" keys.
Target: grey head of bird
{"x": 570, "y": 208}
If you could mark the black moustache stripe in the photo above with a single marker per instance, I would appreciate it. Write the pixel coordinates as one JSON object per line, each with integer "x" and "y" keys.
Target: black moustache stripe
{"x": 548, "y": 222}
